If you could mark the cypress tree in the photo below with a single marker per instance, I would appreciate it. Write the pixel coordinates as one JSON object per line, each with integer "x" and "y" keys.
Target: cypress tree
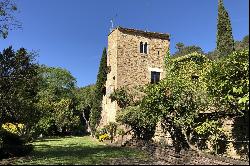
{"x": 225, "y": 41}
{"x": 100, "y": 90}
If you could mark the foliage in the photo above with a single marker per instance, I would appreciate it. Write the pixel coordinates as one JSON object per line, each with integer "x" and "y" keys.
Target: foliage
{"x": 225, "y": 41}
{"x": 131, "y": 114}
{"x": 66, "y": 117}
{"x": 228, "y": 81}
{"x": 122, "y": 97}
{"x": 17, "y": 129}
{"x": 111, "y": 128}
{"x": 10, "y": 138}
{"x": 85, "y": 97}
{"x": 183, "y": 50}
{"x": 213, "y": 55}
{"x": 100, "y": 90}
{"x": 7, "y": 18}
{"x": 57, "y": 102}
{"x": 13, "y": 141}
{"x": 107, "y": 132}
{"x": 212, "y": 129}
{"x": 181, "y": 96}
{"x": 103, "y": 137}
{"x": 84, "y": 103}
{"x": 142, "y": 122}
{"x": 241, "y": 45}
{"x": 18, "y": 87}
{"x": 121, "y": 131}
{"x": 166, "y": 59}
{"x": 100, "y": 131}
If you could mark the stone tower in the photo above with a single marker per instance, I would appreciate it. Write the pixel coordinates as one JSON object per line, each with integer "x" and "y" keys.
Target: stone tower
{"x": 134, "y": 58}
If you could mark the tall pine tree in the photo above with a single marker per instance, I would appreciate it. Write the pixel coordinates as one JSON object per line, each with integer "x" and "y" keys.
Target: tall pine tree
{"x": 100, "y": 90}
{"x": 225, "y": 41}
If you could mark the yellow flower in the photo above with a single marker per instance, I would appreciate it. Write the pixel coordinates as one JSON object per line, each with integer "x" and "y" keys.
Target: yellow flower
{"x": 13, "y": 128}
{"x": 103, "y": 137}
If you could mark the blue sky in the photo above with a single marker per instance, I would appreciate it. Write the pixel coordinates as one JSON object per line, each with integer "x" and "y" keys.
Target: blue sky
{"x": 72, "y": 33}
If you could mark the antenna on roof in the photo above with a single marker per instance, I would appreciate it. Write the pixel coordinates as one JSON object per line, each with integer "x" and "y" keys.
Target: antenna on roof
{"x": 112, "y": 23}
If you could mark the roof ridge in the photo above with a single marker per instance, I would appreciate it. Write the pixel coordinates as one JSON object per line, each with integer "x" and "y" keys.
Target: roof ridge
{"x": 145, "y": 33}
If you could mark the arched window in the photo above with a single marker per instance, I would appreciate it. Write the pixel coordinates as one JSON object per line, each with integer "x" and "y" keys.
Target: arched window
{"x": 146, "y": 48}
{"x": 141, "y": 47}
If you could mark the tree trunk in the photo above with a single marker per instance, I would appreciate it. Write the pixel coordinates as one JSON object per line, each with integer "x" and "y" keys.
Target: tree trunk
{"x": 193, "y": 147}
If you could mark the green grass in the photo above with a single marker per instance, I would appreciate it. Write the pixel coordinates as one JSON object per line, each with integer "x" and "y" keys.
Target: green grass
{"x": 76, "y": 150}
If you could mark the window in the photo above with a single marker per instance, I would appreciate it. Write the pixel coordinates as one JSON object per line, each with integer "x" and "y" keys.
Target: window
{"x": 158, "y": 52}
{"x": 155, "y": 77}
{"x": 146, "y": 48}
{"x": 141, "y": 47}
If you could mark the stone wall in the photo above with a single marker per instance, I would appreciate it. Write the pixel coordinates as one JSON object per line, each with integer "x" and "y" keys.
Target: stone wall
{"x": 109, "y": 108}
{"x": 227, "y": 147}
{"x": 133, "y": 67}
{"x": 184, "y": 157}
{"x": 128, "y": 67}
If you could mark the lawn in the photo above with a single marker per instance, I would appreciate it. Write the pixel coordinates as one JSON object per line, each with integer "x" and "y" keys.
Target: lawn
{"x": 77, "y": 150}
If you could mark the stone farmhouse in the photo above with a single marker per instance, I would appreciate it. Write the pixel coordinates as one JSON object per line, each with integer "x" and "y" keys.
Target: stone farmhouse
{"x": 134, "y": 57}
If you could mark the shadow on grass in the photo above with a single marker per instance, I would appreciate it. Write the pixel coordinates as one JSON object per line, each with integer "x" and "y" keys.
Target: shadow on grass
{"x": 78, "y": 154}
{"x": 52, "y": 138}
{"x": 46, "y": 140}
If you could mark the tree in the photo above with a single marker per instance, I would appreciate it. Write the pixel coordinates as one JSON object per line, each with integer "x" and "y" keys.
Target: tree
{"x": 180, "y": 97}
{"x": 225, "y": 41}
{"x": 213, "y": 55}
{"x": 57, "y": 102}
{"x": 228, "y": 82}
{"x": 85, "y": 97}
{"x": 179, "y": 46}
{"x": 7, "y": 18}
{"x": 18, "y": 87}
{"x": 185, "y": 50}
{"x": 241, "y": 45}
{"x": 100, "y": 90}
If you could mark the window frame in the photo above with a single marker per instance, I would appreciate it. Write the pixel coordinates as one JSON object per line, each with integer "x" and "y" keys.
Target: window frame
{"x": 144, "y": 47}
{"x": 141, "y": 47}
{"x": 155, "y": 77}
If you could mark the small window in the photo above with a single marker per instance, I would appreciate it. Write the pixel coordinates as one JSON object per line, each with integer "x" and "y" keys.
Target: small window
{"x": 158, "y": 52}
{"x": 155, "y": 77}
{"x": 141, "y": 47}
{"x": 146, "y": 48}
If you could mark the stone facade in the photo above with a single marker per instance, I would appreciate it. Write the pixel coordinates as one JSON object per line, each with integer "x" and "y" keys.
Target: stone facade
{"x": 128, "y": 66}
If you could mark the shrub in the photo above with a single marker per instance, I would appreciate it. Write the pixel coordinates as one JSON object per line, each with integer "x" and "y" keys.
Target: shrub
{"x": 228, "y": 82}
{"x": 13, "y": 141}
{"x": 141, "y": 121}
{"x": 103, "y": 137}
{"x": 122, "y": 97}
{"x": 121, "y": 132}
{"x": 111, "y": 129}
{"x": 14, "y": 128}
{"x": 100, "y": 131}
{"x": 12, "y": 134}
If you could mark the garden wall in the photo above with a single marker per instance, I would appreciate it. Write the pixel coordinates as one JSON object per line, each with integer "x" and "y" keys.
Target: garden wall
{"x": 235, "y": 144}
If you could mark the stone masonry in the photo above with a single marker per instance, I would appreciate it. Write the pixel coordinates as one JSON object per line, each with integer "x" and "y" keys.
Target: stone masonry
{"x": 128, "y": 66}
